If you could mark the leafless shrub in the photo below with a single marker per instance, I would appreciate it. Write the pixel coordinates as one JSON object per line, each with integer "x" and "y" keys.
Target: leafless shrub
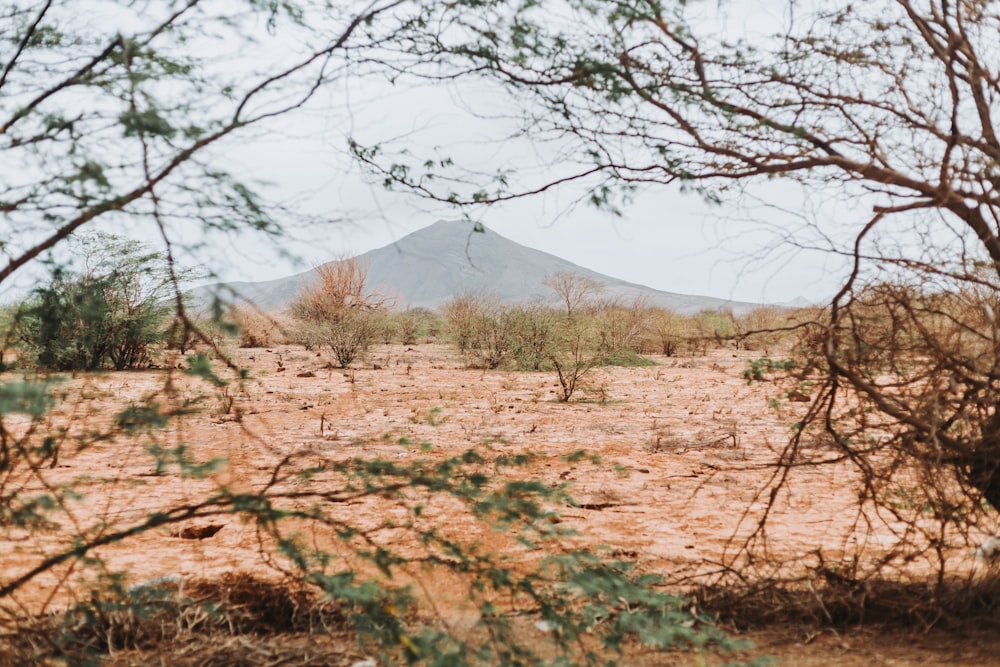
{"x": 460, "y": 314}
{"x": 575, "y": 290}
{"x": 620, "y": 324}
{"x": 907, "y": 393}
{"x": 256, "y": 328}
{"x": 337, "y": 311}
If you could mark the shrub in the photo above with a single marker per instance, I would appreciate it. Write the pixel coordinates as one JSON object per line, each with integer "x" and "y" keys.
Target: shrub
{"x": 255, "y": 328}
{"x": 534, "y": 331}
{"x": 113, "y": 313}
{"x": 460, "y": 314}
{"x": 337, "y": 311}
{"x": 762, "y": 328}
{"x": 576, "y": 349}
{"x": 414, "y": 324}
{"x": 494, "y": 336}
{"x": 670, "y": 329}
{"x": 483, "y": 329}
{"x": 619, "y": 326}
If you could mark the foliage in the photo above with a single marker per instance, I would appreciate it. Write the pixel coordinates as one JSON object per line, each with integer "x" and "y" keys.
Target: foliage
{"x": 337, "y": 311}
{"x": 113, "y": 313}
{"x": 758, "y": 368}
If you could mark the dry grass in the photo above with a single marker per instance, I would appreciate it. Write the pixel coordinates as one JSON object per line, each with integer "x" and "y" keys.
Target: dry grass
{"x": 830, "y": 601}
{"x": 234, "y": 620}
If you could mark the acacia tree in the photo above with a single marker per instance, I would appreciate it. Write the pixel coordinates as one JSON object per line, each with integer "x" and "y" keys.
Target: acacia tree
{"x": 114, "y": 310}
{"x": 890, "y": 105}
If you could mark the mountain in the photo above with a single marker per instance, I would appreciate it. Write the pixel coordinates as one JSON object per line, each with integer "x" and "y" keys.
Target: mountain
{"x": 434, "y": 264}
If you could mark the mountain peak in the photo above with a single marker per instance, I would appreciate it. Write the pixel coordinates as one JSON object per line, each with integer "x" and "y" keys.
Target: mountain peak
{"x": 452, "y": 257}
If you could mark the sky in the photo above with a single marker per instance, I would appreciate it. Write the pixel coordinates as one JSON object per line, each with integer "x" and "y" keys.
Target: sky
{"x": 666, "y": 239}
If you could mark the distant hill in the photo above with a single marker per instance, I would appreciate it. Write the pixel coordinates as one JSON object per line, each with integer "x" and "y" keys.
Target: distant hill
{"x": 432, "y": 265}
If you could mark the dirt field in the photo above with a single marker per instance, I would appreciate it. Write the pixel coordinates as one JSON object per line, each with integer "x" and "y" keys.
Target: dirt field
{"x": 685, "y": 446}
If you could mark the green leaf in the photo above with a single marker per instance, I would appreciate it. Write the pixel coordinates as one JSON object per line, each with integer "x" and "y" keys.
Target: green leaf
{"x": 145, "y": 123}
{"x": 199, "y": 365}
{"x": 32, "y": 398}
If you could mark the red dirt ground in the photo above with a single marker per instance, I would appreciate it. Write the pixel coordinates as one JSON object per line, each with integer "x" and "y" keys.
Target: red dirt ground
{"x": 685, "y": 445}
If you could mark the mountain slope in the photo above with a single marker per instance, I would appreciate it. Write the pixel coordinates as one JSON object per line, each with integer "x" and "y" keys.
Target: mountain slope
{"x": 434, "y": 264}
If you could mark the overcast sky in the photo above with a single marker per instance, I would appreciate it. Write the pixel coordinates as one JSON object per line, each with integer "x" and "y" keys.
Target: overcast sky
{"x": 667, "y": 240}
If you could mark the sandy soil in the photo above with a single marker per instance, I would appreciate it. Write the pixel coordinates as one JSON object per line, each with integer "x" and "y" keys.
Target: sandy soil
{"x": 685, "y": 447}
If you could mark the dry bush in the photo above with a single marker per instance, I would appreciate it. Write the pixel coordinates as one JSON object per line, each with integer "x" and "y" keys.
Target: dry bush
{"x": 414, "y": 324}
{"x": 619, "y": 325}
{"x": 256, "y": 328}
{"x": 904, "y": 388}
{"x": 827, "y": 598}
{"x": 575, "y": 291}
{"x": 707, "y": 329}
{"x": 336, "y": 310}
{"x": 338, "y": 287}
{"x": 575, "y": 350}
{"x": 764, "y": 329}
{"x": 494, "y": 336}
{"x": 173, "y": 619}
{"x": 483, "y": 329}
{"x": 460, "y": 314}
{"x": 667, "y": 329}
{"x": 535, "y": 330}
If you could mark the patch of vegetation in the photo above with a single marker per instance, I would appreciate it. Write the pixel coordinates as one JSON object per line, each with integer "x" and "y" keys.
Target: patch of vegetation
{"x": 112, "y": 314}
{"x": 757, "y": 369}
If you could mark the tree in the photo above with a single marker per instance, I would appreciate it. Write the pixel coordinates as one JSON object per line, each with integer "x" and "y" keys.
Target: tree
{"x": 573, "y": 288}
{"x": 113, "y": 312}
{"x": 337, "y": 310}
{"x": 125, "y": 125}
{"x": 891, "y": 106}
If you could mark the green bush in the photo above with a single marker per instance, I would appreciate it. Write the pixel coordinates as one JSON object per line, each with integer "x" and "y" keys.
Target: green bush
{"x": 757, "y": 369}
{"x": 534, "y": 334}
{"x": 113, "y": 314}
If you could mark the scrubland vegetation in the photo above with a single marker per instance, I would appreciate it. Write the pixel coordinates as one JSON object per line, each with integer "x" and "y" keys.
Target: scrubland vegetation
{"x": 117, "y": 395}
{"x": 338, "y": 317}
{"x": 341, "y": 318}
